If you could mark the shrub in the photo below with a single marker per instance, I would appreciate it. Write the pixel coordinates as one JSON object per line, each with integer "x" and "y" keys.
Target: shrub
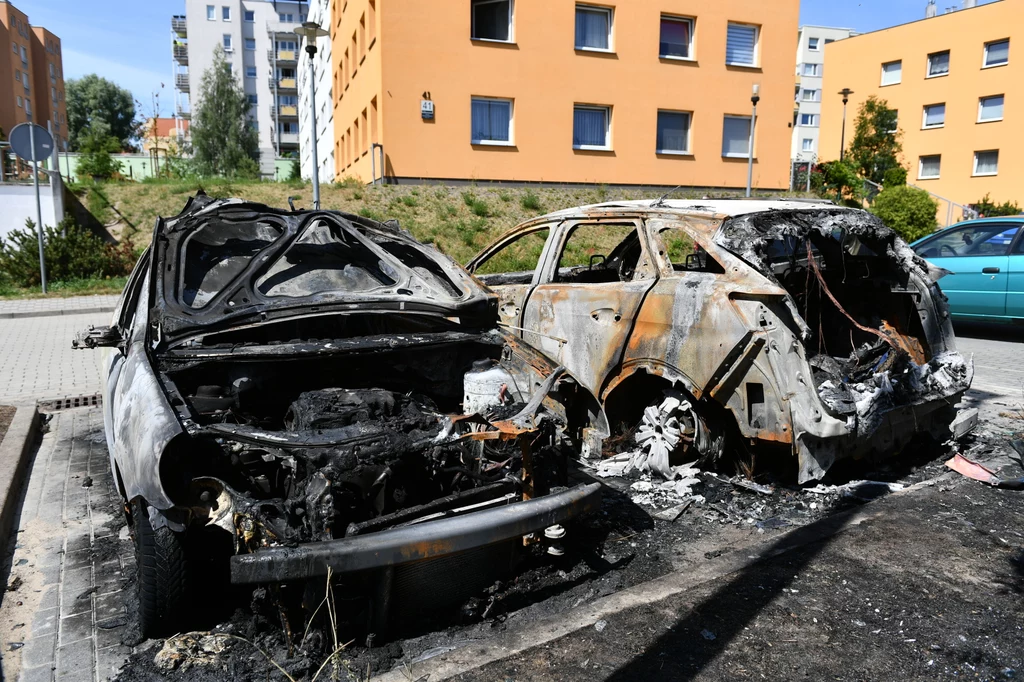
{"x": 530, "y": 201}
{"x": 70, "y": 251}
{"x": 477, "y": 206}
{"x": 987, "y": 209}
{"x": 96, "y": 161}
{"x": 907, "y": 210}
{"x": 838, "y": 181}
{"x": 295, "y": 173}
{"x": 895, "y": 177}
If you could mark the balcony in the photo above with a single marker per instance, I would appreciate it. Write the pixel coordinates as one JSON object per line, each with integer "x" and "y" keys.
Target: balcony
{"x": 283, "y": 83}
{"x": 289, "y": 138}
{"x": 284, "y": 111}
{"x": 182, "y": 112}
{"x": 283, "y": 56}
{"x": 179, "y": 25}
{"x": 181, "y": 54}
{"x": 275, "y": 28}
{"x": 181, "y": 82}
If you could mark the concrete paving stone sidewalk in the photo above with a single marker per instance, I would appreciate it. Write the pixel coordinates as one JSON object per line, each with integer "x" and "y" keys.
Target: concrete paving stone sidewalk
{"x": 65, "y": 610}
{"x": 44, "y": 307}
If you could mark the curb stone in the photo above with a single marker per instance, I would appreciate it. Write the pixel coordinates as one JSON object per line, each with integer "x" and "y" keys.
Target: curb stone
{"x": 15, "y": 452}
{"x": 52, "y": 313}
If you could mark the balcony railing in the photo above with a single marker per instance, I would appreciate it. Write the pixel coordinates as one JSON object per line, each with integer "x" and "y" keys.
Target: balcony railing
{"x": 283, "y": 83}
{"x": 282, "y": 55}
{"x": 183, "y": 112}
{"x": 285, "y": 111}
{"x": 181, "y": 82}
{"x": 179, "y": 25}
{"x": 181, "y": 54}
{"x": 289, "y": 138}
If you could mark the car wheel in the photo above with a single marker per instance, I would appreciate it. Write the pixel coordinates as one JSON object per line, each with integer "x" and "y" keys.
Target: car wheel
{"x": 672, "y": 428}
{"x": 164, "y": 581}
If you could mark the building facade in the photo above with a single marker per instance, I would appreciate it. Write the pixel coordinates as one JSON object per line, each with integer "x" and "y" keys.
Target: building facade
{"x": 322, "y": 99}
{"x": 810, "y": 70}
{"x": 261, "y": 48}
{"x": 649, "y": 92}
{"x": 31, "y": 75}
{"x": 951, "y": 78}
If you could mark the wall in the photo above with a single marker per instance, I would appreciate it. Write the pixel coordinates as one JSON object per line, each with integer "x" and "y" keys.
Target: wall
{"x": 427, "y": 48}
{"x": 805, "y": 55}
{"x": 357, "y": 81}
{"x": 856, "y": 63}
{"x": 14, "y": 28}
{"x": 138, "y": 167}
{"x": 323, "y": 99}
{"x": 19, "y": 202}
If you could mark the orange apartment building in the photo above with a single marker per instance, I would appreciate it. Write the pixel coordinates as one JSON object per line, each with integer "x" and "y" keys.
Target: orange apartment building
{"x": 644, "y": 92}
{"x": 31, "y": 75}
{"x": 955, "y": 80}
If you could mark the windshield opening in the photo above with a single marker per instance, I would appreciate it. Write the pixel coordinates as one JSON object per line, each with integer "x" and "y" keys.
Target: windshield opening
{"x": 217, "y": 253}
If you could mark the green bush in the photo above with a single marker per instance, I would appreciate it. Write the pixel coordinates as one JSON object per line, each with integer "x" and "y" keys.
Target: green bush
{"x": 907, "y": 210}
{"x": 530, "y": 201}
{"x": 96, "y": 160}
{"x": 895, "y": 177}
{"x": 988, "y": 209}
{"x": 71, "y": 253}
{"x": 838, "y": 181}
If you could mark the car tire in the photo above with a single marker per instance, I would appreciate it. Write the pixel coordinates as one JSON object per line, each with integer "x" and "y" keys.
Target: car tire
{"x": 164, "y": 579}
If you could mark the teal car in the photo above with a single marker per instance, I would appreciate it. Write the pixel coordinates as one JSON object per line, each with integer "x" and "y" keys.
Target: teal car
{"x": 986, "y": 259}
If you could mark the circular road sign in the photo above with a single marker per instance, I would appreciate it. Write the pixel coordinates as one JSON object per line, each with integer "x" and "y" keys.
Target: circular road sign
{"x": 21, "y": 142}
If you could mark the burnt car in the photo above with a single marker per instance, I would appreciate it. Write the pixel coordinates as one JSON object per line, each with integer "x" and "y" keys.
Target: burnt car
{"x": 790, "y": 326}
{"x": 304, "y": 394}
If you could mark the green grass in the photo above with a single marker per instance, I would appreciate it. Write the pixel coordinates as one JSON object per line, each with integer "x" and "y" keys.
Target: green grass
{"x": 78, "y": 287}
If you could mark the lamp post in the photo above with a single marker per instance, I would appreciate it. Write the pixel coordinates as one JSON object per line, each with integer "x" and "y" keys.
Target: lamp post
{"x": 311, "y": 30}
{"x": 755, "y": 97}
{"x": 845, "y": 92}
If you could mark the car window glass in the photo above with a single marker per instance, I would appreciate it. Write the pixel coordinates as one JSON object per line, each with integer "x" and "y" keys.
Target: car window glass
{"x": 132, "y": 291}
{"x": 983, "y": 239}
{"x": 599, "y": 252}
{"x": 519, "y": 256}
{"x": 1019, "y": 248}
{"x": 326, "y": 258}
{"x": 217, "y": 253}
{"x": 684, "y": 255}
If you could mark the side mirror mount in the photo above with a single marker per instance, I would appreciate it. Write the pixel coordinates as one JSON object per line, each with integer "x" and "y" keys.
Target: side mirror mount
{"x": 98, "y": 337}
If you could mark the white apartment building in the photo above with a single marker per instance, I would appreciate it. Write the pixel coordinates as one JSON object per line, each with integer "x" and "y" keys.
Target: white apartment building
{"x": 810, "y": 67}
{"x": 262, "y": 51}
{"x": 319, "y": 12}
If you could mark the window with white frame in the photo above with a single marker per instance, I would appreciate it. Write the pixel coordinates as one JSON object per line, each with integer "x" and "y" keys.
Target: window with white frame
{"x": 809, "y": 120}
{"x": 938, "y": 64}
{"x": 225, "y": 13}
{"x": 986, "y": 163}
{"x": 990, "y": 109}
{"x": 673, "y": 136}
{"x": 591, "y": 127}
{"x": 227, "y": 43}
{"x": 812, "y": 70}
{"x": 807, "y": 145}
{"x": 491, "y": 20}
{"x": 250, "y": 72}
{"x": 676, "y": 40}
{"x": 14, "y": 46}
{"x": 929, "y": 167}
{"x": 997, "y": 53}
{"x": 812, "y": 44}
{"x": 17, "y": 75}
{"x": 593, "y": 28}
{"x": 741, "y": 44}
{"x": 736, "y": 137}
{"x": 811, "y": 95}
{"x": 286, "y": 17}
{"x": 249, "y": 16}
{"x": 19, "y": 100}
{"x": 934, "y": 116}
{"x": 491, "y": 121}
{"x": 250, "y": 43}
{"x": 892, "y": 73}
{"x": 211, "y": 13}
{"x": 252, "y": 99}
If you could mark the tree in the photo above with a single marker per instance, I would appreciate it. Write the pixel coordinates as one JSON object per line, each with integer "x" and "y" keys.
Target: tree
{"x": 838, "y": 181}
{"x": 987, "y": 209}
{"x": 96, "y": 145}
{"x": 224, "y": 137}
{"x": 907, "y": 210}
{"x": 876, "y": 145}
{"x": 91, "y": 99}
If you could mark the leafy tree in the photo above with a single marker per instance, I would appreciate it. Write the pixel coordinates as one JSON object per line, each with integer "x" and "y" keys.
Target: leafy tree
{"x": 838, "y": 181}
{"x": 91, "y": 99}
{"x": 988, "y": 209}
{"x": 224, "y": 137}
{"x": 96, "y": 145}
{"x": 875, "y": 148}
{"x": 907, "y": 210}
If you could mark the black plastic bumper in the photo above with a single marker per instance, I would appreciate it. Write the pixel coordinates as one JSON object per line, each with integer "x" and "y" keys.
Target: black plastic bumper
{"x": 413, "y": 543}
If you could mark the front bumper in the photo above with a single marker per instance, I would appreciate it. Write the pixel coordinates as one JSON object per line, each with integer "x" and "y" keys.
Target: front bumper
{"x": 413, "y": 543}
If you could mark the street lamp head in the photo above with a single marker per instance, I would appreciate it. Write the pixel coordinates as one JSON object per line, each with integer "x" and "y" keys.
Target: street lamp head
{"x": 755, "y": 95}
{"x": 311, "y": 30}
{"x": 846, "y": 92}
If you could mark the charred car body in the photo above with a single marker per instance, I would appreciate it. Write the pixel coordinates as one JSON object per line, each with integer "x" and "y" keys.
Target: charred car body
{"x": 325, "y": 395}
{"x": 784, "y": 324}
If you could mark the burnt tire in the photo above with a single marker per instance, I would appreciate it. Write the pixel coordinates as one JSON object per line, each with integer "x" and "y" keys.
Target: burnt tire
{"x": 164, "y": 579}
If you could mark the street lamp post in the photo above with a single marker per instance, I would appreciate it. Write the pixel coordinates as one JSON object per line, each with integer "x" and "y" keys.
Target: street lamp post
{"x": 310, "y": 30}
{"x": 845, "y": 92}
{"x": 755, "y": 97}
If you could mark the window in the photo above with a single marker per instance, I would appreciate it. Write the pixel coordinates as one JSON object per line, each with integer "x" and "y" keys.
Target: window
{"x": 289, "y": 127}
{"x": 491, "y": 20}
{"x": 679, "y": 250}
{"x": 250, "y": 43}
{"x": 807, "y": 145}
{"x": 938, "y": 64}
{"x": 581, "y": 259}
{"x": 676, "y": 38}
{"x": 593, "y": 28}
{"x": 736, "y": 137}
{"x": 812, "y": 70}
{"x": 928, "y": 167}
{"x": 249, "y": 16}
{"x": 17, "y": 75}
{"x": 53, "y": 73}
{"x": 491, "y": 121}
{"x": 979, "y": 239}
{"x": 250, "y": 72}
{"x": 741, "y": 45}
{"x": 828, "y": 41}
{"x": 673, "y": 132}
{"x": 590, "y": 127}
{"x": 986, "y": 163}
{"x": 809, "y": 120}
{"x": 997, "y": 53}
{"x": 211, "y": 13}
{"x": 518, "y": 257}
{"x": 19, "y": 104}
{"x": 252, "y": 99}
{"x": 229, "y": 68}
{"x": 934, "y": 116}
{"x": 812, "y": 95}
{"x": 225, "y": 13}
{"x": 227, "y": 43}
{"x": 289, "y": 18}
{"x": 286, "y": 46}
{"x": 895, "y": 122}
{"x": 287, "y": 100}
{"x": 812, "y": 44}
{"x": 14, "y": 46}
{"x": 24, "y": 55}
{"x": 990, "y": 109}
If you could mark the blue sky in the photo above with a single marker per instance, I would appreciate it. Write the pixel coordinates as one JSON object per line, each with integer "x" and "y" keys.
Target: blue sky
{"x": 128, "y": 41}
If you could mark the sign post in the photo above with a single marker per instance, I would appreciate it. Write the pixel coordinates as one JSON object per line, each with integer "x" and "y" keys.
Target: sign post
{"x": 32, "y": 143}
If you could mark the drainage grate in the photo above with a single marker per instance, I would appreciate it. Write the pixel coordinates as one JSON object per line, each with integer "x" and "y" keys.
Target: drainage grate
{"x": 59, "y": 404}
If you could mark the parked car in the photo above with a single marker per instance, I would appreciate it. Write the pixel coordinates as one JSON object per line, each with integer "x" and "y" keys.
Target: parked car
{"x": 314, "y": 391}
{"x": 985, "y": 260}
{"x": 795, "y": 326}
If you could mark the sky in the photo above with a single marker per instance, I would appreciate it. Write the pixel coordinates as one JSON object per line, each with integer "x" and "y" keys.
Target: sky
{"x": 128, "y": 41}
